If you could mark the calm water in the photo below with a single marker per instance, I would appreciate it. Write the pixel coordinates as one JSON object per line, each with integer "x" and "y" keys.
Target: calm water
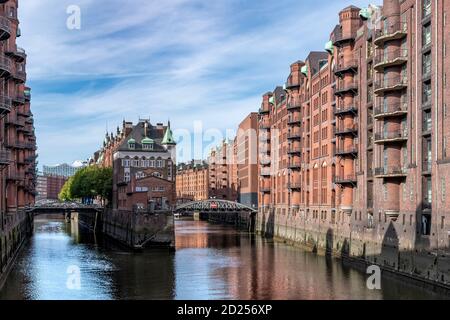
{"x": 211, "y": 262}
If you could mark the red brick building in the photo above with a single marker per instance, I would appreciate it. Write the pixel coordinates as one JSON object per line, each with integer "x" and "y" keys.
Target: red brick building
{"x": 223, "y": 180}
{"x": 143, "y": 166}
{"x": 354, "y": 152}
{"x": 247, "y": 160}
{"x": 192, "y": 181}
{"x": 17, "y": 138}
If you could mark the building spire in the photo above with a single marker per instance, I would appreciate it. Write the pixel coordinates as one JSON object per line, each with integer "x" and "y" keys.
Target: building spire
{"x": 168, "y": 136}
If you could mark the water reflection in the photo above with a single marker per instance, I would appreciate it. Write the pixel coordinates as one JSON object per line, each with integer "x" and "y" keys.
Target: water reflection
{"x": 211, "y": 262}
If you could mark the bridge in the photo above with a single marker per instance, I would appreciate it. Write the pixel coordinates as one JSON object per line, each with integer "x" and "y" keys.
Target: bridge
{"x": 60, "y": 207}
{"x": 223, "y": 211}
{"x": 87, "y": 215}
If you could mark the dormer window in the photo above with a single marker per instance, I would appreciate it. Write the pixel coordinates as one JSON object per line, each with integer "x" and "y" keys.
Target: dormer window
{"x": 131, "y": 144}
{"x": 147, "y": 144}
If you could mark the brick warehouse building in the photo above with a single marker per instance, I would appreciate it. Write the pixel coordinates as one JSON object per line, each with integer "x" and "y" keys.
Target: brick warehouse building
{"x": 192, "y": 181}
{"x": 247, "y": 160}
{"x": 223, "y": 181}
{"x": 354, "y": 152}
{"x": 17, "y": 138}
{"x": 144, "y": 168}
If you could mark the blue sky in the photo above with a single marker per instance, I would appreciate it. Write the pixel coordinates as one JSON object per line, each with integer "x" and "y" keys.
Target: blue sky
{"x": 187, "y": 60}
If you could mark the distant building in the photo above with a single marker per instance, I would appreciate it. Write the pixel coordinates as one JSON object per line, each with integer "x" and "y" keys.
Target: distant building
{"x": 143, "y": 160}
{"x": 223, "y": 182}
{"x": 192, "y": 181}
{"x": 41, "y": 187}
{"x": 63, "y": 170}
{"x": 247, "y": 160}
{"x": 48, "y": 187}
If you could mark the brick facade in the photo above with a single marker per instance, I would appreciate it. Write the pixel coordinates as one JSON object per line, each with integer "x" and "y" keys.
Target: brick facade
{"x": 192, "y": 181}
{"x": 354, "y": 151}
{"x": 17, "y": 138}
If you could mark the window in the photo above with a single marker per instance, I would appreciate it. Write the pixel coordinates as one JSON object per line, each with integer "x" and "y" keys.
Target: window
{"x": 426, "y": 36}
{"x": 131, "y": 145}
{"x": 147, "y": 146}
{"x": 427, "y": 121}
{"x": 426, "y": 8}
{"x": 370, "y": 220}
{"x": 126, "y": 163}
{"x": 428, "y": 194}
{"x": 426, "y": 64}
{"x": 426, "y": 93}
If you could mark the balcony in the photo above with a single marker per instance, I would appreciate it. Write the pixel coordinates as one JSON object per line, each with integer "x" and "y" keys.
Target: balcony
{"x": 345, "y": 180}
{"x": 15, "y": 177}
{"x": 294, "y": 105}
{"x": 294, "y": 150}
{"x": 341, "y": 39}
{"x": 5, "y": 105}
{"x": 391, "y": 110}
{"x": 391, "y": 137}
{"x": 5, "y": 27}
{"x": 295, "y": 165}
{"x": 390, "y": 84}
{"x": 20, "y": 76}
{"x": 18, "y": 55}
{"x": 265, "y": 172}
{"x": 344, "y": 88}
{"x": 346, "y": 67}
{"x": 390, "y": 172}
{"x": 294, "y": 136}
{"x": 293, "y": 121}
{"x": 19, "y": 99}
{"x": 264, "y": 110}
{"x": 292, "y": 84}
{"x": 393, "y": 31}
{"x": 391, "y": 58}
{"x": 5, "y": 66}
{"x": 15, "y": 122}
{"x": 295, "y": 186}
{"x": 352, "y": 109}
{"x": 351, "y": 151}
{"x": 5, "y": 157}
{"x": 29, "y": 160}
{"x": 265, "y": 190}
{"x": 343, "y": 131}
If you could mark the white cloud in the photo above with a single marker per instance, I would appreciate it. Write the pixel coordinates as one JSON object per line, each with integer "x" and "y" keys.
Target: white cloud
{"x": 185, "y": 60}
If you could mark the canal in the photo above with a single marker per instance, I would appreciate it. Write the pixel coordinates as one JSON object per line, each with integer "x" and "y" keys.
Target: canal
{"x": 211, "y": 262}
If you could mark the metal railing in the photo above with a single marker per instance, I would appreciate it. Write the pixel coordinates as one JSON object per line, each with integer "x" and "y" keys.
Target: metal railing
{"x": 391, "y": 108}
{"x": 391, "y": 29}
{"x": 390, "y": 170}
{"x": 391, "y": 135}
{"x": 391, "y": 55}
{"x": 391, "y": 82}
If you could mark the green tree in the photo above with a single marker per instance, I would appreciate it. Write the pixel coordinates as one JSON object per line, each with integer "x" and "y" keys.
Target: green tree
{"x": 89, "y": 183}
{"x": 64, "y": 194}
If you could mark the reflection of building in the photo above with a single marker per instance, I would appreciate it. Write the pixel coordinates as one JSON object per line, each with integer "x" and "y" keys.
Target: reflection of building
{"x": 63, "y": 170}
{"x": 355, "y": 152}
{"x": 144, "y": 167}
{"x": 247, "y": 160}
{"x": 223, "y": 172}
{"x": 192, "y": 181}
